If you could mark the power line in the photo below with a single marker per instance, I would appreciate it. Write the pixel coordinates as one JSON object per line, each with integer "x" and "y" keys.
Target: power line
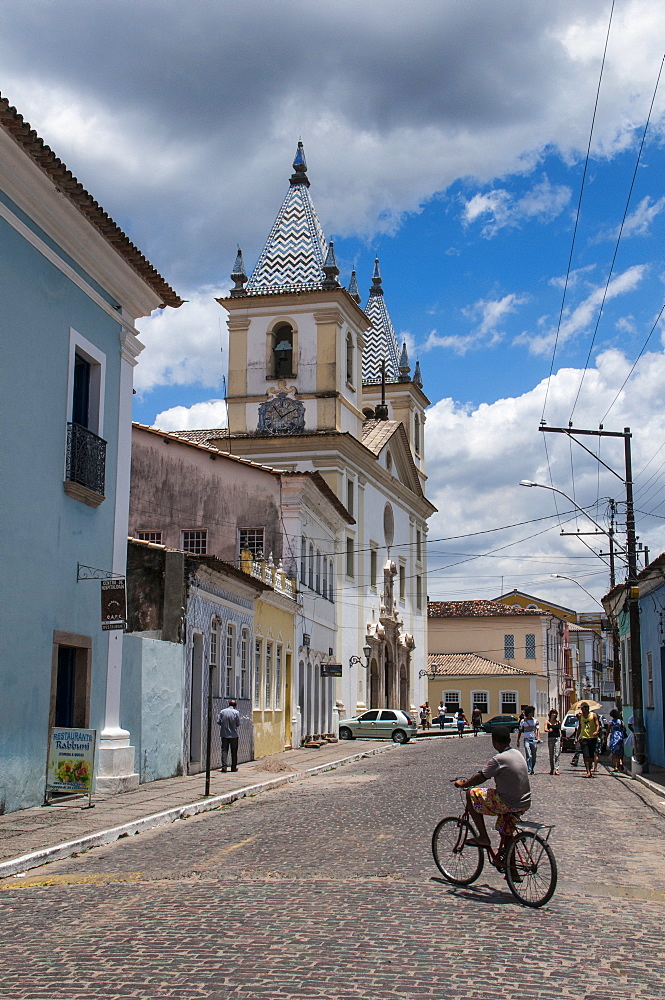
{"x": 577, "y": 214}
{"x": 618, "y": 240}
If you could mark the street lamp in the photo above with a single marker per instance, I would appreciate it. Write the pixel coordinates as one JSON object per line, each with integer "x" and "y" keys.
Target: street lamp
{"x": 558, "y": 576}
{"x": 357, "y": 659}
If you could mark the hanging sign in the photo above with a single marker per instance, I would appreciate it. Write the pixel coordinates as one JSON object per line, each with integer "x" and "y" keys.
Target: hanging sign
{"x": 331, "y": 669}
{"x": 114, "y": 604}
{"x": 71, "y": 760}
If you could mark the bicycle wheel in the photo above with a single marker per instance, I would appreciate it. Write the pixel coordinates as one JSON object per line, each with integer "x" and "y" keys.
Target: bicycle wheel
{"x": 457, "y": 861}
{"x": 531, "y": 869}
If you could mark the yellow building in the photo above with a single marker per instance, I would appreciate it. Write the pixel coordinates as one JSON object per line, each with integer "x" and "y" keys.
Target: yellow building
{"x": 272, "y": 657}
{"x": 528, "y": 642}
{"x": 462, "y": 680}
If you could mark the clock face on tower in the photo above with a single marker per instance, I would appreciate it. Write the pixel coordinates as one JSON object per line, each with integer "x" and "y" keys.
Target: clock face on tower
{"x": 281, "y": 415}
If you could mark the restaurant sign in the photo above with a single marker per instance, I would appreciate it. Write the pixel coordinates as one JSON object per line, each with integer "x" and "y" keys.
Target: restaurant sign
{"x": 71, "y": 760}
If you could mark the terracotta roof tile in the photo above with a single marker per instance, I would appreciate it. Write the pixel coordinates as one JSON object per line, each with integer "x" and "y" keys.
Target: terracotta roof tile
{"x": 469, "y": 665}
{"x": 475, "y": 609}
{"x": 44, "y": 158}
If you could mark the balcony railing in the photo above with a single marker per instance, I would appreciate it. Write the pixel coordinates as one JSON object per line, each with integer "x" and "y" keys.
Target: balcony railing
{"x": 86, "y": 459}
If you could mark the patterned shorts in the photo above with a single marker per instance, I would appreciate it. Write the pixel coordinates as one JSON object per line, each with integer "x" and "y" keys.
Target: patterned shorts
{"x": 487, "y": 802}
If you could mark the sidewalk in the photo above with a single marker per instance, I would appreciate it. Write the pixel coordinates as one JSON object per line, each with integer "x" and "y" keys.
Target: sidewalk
{"x": 33, "y": 837}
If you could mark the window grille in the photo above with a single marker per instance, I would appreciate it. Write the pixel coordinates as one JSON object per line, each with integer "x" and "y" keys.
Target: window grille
{"x": 229, "y": 689}
{"x": 244, "y": 651}
{"x": 482, "y": 700}
{"x": 268, "y": 691}
{"x": 195, "y": 542}
{"x": 278, "y": 677}
{"x": 257, "y": 673}
{"x": 509, "y": 647}
{"x": 150, "y": 536}
{"x": 252, "y": 540}
{"x": 530, "y": 646}
{"x": 452, "y": 700}
{"x": 509, "y": 703}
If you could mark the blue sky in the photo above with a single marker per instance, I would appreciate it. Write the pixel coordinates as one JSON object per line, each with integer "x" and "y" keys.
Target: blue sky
{"x": 448, "y": 139}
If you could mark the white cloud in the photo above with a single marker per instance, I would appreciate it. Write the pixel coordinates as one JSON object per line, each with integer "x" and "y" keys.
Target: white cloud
{"x": 638, "y": 222}
{"x": 489, "y": 315}
{"x": 544, "y": 201}
{"x": 477, "y": 456}
{"x": 212, "y": 413}
{"x": 185, "y": 346}
{"x": 580, "y": 318}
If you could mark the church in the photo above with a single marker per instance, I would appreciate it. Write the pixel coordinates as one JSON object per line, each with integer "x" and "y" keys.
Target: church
{"x": 318, "y": 383}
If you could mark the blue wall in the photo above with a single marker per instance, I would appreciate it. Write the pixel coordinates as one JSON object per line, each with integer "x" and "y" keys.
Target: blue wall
{"x": 152, "y": 705}
{"x": 45, "y": 532}
{"x": 651, "y": 608}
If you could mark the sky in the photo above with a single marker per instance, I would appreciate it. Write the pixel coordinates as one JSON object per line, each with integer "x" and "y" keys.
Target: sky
{"x": 449, "y": 139}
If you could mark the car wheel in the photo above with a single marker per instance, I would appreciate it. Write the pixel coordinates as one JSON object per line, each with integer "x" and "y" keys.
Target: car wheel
{"x": 345, "y": 733}
{"x": 399, "y": 736}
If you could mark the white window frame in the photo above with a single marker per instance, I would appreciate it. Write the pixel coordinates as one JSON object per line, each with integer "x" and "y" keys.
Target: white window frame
{"x": 141, "y": 535}
{"x": 261, "y": 530}
{"x": 483, "y": 696}
{"x": 373, "y": 565}
{"x": 456, "y": 699}
{"x": 244, "y": 662}
{"x": 203, "y": 532}
{"x": 278, "y": 676}
{"x": 502, "y": 698}
{"x": 97, "y": 359}
{"x": 256, "y": 671}
{"x": 268, "y": 686}
{"x": 230, "y": 661}
{"x": 401, "y": 577}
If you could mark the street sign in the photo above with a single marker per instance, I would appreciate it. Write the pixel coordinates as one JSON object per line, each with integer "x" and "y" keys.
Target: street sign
{"x": 331, "y": 669}
{"x": 114, "y": 604}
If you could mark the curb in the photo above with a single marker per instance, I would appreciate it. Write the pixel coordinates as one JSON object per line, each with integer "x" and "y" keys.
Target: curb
{"x": 59, "y": 851}
{"x": 651, "y": 785}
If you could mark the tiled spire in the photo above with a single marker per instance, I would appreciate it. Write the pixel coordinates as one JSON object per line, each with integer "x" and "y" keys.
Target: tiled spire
{"x": 380, "y": 341}
{"x": 353, "y": 288}
{"x": 294, "y": 254}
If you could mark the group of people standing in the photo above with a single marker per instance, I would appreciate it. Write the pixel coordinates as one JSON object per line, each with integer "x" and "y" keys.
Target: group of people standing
{"x": 461, "y": 720}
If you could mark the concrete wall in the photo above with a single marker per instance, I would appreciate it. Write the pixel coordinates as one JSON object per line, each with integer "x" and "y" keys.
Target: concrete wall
{"x": 46, "y": 533}
{"x": 152, "y": 702}
{"x": 177, "y": 487}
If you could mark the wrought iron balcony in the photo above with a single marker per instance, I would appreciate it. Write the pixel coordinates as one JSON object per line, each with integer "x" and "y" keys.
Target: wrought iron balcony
{"x": 86, "y": 459}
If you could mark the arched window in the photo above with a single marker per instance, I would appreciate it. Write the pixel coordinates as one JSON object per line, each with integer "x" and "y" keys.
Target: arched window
{"x": 310, "y": 574}
{"x": 282, "y": 351}
{"x": 349, "y": 358}
{"x": 416, "y": 434}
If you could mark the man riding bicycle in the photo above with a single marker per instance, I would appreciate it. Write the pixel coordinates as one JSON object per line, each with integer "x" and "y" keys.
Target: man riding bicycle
{"x": 510, "y": 798}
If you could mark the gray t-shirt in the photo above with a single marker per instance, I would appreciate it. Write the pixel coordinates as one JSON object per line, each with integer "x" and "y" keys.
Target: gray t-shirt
{"x": 511, "y": 778}
{"x": 229, "y": 721}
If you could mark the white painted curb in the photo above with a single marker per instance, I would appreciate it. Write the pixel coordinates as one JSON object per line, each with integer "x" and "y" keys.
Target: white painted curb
{"x": 59, "y": 851}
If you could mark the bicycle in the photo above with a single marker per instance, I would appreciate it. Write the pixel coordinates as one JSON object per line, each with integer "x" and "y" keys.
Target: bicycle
{"x": 524, "y": 858}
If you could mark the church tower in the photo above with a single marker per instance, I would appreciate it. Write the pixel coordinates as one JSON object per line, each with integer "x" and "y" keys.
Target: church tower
{"x": 296, "y": 336}
{"x": 318, "y": 384}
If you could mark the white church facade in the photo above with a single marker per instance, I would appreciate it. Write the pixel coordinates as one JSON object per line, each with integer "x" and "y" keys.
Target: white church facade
{"x": 317, "y": 383}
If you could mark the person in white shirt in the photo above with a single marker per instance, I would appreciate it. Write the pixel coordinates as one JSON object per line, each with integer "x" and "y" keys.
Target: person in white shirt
{"x": 530, "y": 730}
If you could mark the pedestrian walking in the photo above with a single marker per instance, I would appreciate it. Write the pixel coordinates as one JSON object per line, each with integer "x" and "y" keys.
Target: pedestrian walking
{"x": 615, "y": 740}
{"x": 442, "y": 713}
{"x": 425, "y": 715}
{"x": 476, "y": 720}
{"x": 460, "y": 719}
{"x": 589, "y": 727}
{"x": 553, "y": 730}
{"x": 529, "y": 730}
{"x": 228, "y": 721}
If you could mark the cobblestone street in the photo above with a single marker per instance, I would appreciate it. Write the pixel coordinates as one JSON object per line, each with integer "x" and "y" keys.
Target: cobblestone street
{"x": 326, "y": 888}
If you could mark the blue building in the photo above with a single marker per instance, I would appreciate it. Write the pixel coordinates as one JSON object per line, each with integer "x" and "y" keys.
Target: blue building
{"x": 71, "y": 286}
{"x": 652, "y": 641}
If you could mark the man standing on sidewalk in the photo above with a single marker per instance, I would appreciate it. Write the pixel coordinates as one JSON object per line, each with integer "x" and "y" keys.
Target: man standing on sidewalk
{"x": 229, "y": 723}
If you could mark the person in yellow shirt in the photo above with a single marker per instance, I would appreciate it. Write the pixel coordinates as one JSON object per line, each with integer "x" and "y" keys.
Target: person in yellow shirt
{"x": 588, "y": 728}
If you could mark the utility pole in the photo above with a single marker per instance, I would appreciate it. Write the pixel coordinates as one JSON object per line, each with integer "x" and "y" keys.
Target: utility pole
{"x": 632, "y": 586}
